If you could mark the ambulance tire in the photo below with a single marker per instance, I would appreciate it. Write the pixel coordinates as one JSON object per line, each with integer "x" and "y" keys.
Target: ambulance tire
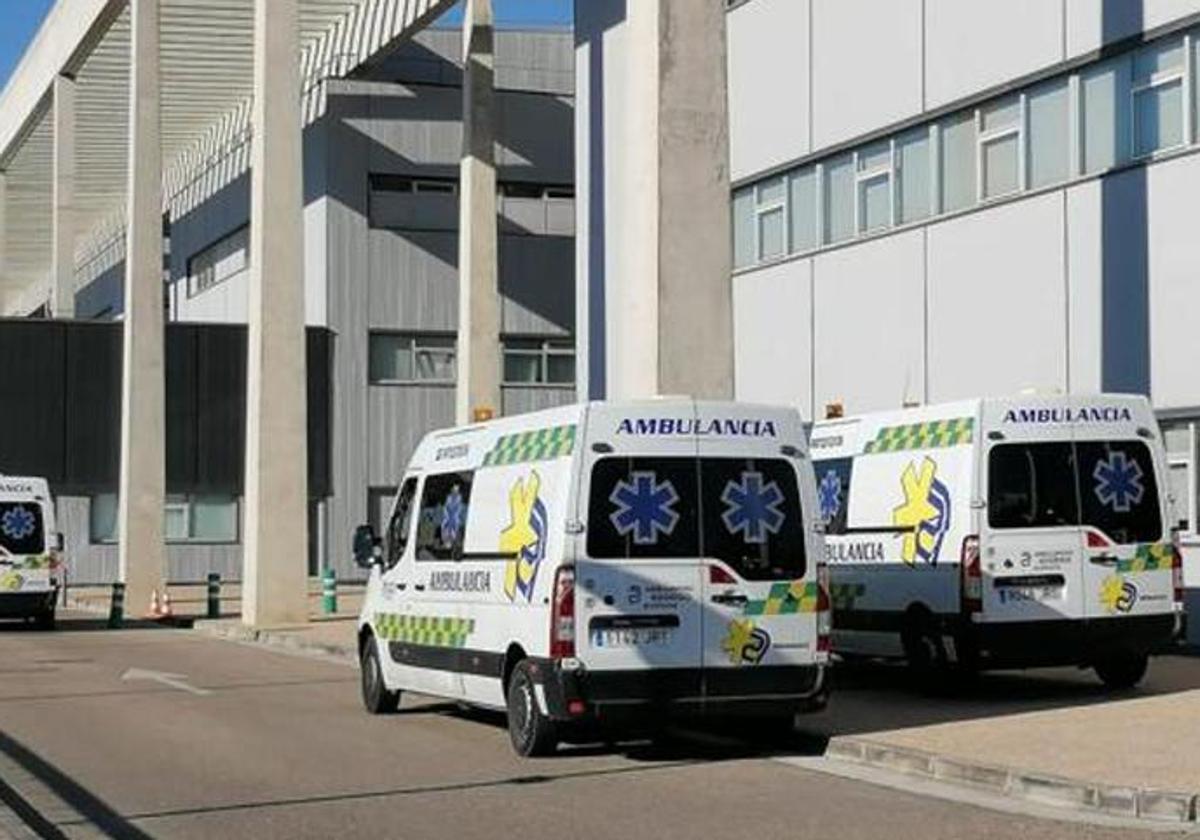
{"x": 533, "y": 734}
{"x": 924, "y": 650}
{"x": 377, "y": 699}
{"x": 45, "y": 620}
{"x": 1122, "y": 670}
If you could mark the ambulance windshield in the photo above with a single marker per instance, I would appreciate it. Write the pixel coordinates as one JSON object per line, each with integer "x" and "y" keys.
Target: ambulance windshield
{"x": 743, "y": 511}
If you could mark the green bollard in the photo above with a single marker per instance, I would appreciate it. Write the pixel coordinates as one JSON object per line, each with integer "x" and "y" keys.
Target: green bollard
{"x": 329, "y": 591}
{"x": 214, "y": 595}
{"x": 116, "y": 610}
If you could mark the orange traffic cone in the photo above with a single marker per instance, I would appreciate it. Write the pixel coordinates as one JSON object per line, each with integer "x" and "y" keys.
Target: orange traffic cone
{"x": 166, "y": 611}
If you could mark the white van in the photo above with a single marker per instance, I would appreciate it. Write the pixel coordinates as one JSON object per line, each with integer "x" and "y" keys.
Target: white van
{"x": 572, "y": 564}
{"x": 30, "y": 551}
{"x": 996, "y": 533}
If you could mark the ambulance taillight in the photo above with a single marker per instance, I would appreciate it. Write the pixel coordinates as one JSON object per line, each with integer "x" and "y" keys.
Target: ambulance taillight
{"x": 562, "y": 614}
{"x": 972, "y": 576}
{"x": 1176, "y": 568}
{"x": 824, "y": 610}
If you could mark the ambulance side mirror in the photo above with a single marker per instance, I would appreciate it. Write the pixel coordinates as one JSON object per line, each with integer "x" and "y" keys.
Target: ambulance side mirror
{"x": 366, "y": 546}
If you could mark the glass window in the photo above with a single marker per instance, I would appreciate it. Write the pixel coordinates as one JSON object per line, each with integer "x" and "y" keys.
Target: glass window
{"x": 874, "y": 187}
{"x": 211, "y": 518}
{"x": 1117, "y": 491}
{"x": 442, "y": 526}
{"x": 1196, "y": 84}
{"x": 1049, "y": 134}
{"x": 1158, "y": 97}
{"x": 219, "y": 261}
{"x": 1106, "y": 124}
{"x": 772, "y": 219}
{"x": 1030, "y": 485}
{"x": 833, "y": 492}
{"x": 410, "y": 357}
{"x": 958, "y": 162}
{"x": 913, "y": 175}
{"x": 21, "y": 528}
{"x": 649, "y": 507}
{"x": 1181, "y": 492}
{"x": 1108, "y": 485}
{"x": 802, "y": 209}
{"x": 539, "y": 361}
{"x": 1000, "y": 147}
{"x": 399, "y": 526}
{"x": 743, "y": 227}
{"x": 839, "y": 199}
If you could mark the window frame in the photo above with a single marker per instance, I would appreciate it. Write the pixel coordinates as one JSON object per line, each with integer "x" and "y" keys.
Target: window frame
{"x": 184, "y": 502}
{"x": 1155, "y": 82}
{"x": 194, "y": 286}
{"x": 1018, "y": 130}
{"x": 762, "y": 209}
{"x": 864, "y": 177}
{"x": 547, "y": 348}
{"x": 414, "y": 347}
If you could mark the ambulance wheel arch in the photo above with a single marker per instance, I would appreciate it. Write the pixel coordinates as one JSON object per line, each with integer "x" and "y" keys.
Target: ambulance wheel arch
{"x": 512, "y": 657}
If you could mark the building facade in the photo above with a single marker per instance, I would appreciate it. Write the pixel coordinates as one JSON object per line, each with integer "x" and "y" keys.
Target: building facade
{"x": 935, "y": 199}
{"x": 381, "y": 219}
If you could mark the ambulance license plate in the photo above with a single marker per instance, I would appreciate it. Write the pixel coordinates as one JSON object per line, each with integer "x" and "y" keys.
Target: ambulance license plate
{"x": 1015, "y": 595}
{"x": 632, "y": 637}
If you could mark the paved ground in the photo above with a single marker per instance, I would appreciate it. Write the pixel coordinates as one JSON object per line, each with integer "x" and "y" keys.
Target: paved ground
{"x": 248, "y": 742}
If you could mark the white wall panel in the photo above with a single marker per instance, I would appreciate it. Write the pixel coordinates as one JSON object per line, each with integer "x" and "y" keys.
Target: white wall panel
{"x": 1085, "y": 273}
{"x": 225, "y": 303}
{"x": 866, "y": 66}
{"x": 997, "y": 307}
{"x": 772, "y": 333}
{"x": 768, "y": 79}
{"x": 1174, "y": 263}
{"x": 869, "y": 337}
{"x": 1092, "y": 23}
{"x": 972, "y": 45}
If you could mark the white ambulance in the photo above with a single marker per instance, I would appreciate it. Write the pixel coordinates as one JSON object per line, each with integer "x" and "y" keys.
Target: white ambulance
{"x": 30, "y": 549}
{"x": 575, "y": 564}
{"x": 999, "y": 533}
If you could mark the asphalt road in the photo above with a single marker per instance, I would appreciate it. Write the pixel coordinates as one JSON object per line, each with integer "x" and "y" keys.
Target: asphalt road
{"x": 247, "y": 742}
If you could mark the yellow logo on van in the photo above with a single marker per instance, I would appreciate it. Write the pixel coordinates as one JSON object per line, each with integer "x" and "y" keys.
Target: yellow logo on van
{"x": 746, "y": 644}
{"x": 525, "y": 537}
{"x": 11, "y": 581}
{"x": 1118, "y": 594}
{"x": 925, "y": 514}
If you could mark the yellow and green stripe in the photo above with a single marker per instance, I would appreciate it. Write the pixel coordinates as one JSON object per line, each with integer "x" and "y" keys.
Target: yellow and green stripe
{"x": 1148, "y": 558}
{"x": 936, "y": 434}
{"x": 534, "y": 445}
{"x": 428, "y": 630}
{"x": 785, "y": 599}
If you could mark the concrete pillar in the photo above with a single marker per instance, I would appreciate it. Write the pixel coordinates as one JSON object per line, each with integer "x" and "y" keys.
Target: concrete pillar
{"x": 674, "y": 332}
{"x": 478, "y": 387}
{"x": 62, "y": 224}
{"x": 143, "y": 414}
{"x": 275, "y": 564}
{"x": 3, "y": 230}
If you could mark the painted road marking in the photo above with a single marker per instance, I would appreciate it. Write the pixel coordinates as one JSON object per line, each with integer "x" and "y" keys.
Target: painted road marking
{"x": 176, "y": 681}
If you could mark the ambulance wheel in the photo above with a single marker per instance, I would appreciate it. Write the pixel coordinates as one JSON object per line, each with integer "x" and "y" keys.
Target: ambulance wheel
{"x": 45, "y": 620}
{"x": 1122, "y": 670}
{"x": 532, "y": 733}
{"x": 375, "y": 694}
{"x": 923, "y": 647}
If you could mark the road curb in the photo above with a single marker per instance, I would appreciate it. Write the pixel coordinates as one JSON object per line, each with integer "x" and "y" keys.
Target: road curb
{"x": 274, "y": 638}
{"x": 1151, "y": 804}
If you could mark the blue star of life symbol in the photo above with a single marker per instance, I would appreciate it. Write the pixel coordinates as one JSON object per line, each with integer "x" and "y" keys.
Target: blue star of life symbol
{"x": 454, "y": 516}
{"x": 645, "y": 507}
{"x": 829, "y": 495}
{"x": 1118, "y": 482}
{"x": 752, "y": 508}
{"x": 17, "y": 523}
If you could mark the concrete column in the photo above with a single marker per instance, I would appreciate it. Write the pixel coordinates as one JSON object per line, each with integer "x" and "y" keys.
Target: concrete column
{"x": 275, "y": 565}
{"x": 478, "y": 276}
{"x": 674, "y": 332}
{"x": 143, "y": 414}
{"x": 62, "y": 224}
{"x": 3, "y": 231}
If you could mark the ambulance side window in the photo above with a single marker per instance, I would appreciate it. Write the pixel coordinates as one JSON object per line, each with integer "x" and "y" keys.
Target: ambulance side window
{"x": 442, "y": 526}
{"x": 400, "y": 526}
{"x": 833, "y": 492}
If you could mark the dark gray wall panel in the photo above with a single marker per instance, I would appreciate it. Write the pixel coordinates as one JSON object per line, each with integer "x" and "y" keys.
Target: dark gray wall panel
{"x": 400, "y": 417}
{"x": 518, "y": 400}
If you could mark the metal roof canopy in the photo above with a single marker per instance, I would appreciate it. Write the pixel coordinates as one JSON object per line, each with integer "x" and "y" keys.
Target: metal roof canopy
{"x": 206, "y": 68}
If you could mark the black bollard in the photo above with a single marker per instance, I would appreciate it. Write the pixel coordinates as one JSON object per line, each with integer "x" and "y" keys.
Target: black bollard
{"x": 116, "y": 610}
{"x": 214, "y": 595}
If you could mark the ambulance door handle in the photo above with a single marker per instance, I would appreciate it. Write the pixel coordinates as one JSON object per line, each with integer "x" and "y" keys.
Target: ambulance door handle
{"x": 402, "y": 586}
{"x": 1105, "y": 560}
{"x": 730, "y": 598}
{"x": 420, "y": 587}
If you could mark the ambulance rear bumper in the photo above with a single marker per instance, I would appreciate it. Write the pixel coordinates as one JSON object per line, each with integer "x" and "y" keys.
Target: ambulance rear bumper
{"x": 574, "y": 693}
{"x": 1066, "y": 641}
{"x": 27, "y": 604}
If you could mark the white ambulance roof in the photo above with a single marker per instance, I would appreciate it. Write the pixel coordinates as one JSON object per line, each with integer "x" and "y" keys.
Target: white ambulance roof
{"x": 23, "y": 487}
